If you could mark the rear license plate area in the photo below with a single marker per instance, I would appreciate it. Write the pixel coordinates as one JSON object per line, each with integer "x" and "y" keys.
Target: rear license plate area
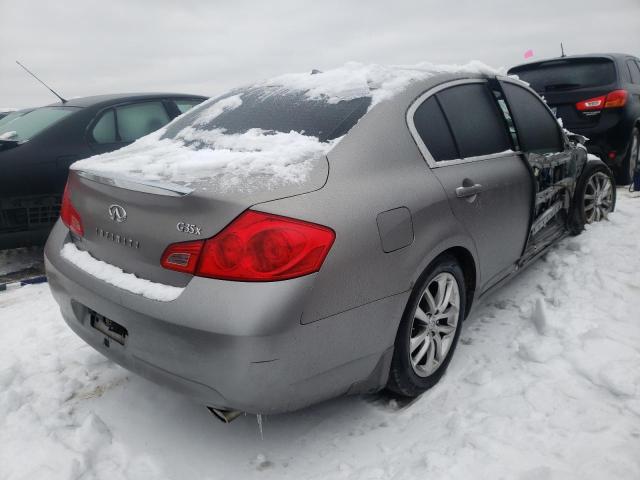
{"x": 109, "y": 328}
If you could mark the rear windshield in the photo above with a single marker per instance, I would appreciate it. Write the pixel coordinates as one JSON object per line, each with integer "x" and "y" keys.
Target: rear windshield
{"x": 276, "y": 110}
{"x": 24, "y": 127}
{"x": 567, "y": 74}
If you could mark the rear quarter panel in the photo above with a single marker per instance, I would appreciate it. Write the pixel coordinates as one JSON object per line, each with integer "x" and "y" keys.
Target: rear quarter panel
{"x": 375, "y": 168}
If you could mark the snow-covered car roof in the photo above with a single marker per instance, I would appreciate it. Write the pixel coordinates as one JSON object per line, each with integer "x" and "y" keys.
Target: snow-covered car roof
{"x": 229, "y": 140}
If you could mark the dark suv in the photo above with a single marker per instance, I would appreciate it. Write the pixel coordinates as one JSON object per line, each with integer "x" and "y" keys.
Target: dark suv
{"x": 597, "y": 96}
{"x": 38, "y": 145}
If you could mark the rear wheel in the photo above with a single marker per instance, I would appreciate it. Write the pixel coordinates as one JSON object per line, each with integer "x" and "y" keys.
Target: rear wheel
{"x": 595, "y": 197}
{"x": 429, "y": 330}
{"x": 624, "y": 174}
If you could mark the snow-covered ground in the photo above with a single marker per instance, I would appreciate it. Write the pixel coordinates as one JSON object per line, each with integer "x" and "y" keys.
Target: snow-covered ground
{"x": 545, "y": 384}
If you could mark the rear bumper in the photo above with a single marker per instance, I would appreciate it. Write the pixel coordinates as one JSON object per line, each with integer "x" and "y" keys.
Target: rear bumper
{"x": 603, "y": 146}
{"x": 607, "y": 136}
{"x": 230, "y": 344}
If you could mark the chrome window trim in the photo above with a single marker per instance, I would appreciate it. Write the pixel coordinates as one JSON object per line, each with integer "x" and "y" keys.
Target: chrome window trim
{"x": 144, "y": 186}
{"x": 421, "y": 145}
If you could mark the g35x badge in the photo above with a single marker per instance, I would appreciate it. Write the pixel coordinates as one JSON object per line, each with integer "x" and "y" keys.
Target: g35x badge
{"x": 189, "y": 228}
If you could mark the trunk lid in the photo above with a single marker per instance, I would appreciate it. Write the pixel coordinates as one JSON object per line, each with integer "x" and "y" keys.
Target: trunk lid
{"x": 130, "y": 222}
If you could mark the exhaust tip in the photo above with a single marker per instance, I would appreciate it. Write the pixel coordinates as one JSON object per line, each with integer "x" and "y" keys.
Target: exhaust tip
{"x": 225, "y": 416}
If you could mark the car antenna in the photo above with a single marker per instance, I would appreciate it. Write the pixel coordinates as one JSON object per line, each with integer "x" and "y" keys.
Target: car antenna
{"x": 562, "y": 50}
{"x": 33, "y": 75}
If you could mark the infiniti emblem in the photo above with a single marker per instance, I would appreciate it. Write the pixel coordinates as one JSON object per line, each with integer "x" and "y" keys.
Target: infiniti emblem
{"x": 117, "y": 213}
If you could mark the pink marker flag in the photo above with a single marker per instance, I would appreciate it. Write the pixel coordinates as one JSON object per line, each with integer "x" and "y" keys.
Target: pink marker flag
{"x": 528, "y": 53}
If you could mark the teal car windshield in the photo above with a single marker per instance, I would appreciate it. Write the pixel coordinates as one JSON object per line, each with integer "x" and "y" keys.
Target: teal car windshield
{"x": 24, "y": 127}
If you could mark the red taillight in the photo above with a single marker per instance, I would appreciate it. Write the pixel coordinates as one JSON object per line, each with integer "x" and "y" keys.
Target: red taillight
{"x": 182, "y": 257}
{"x": 257, "y": 247}
{"x": 596, "y": 103}
{"x": 69, "y": 215}
{"x": 615, "y": 99}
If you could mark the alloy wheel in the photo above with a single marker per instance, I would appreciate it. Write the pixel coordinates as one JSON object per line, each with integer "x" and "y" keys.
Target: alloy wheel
{"x": 598, "y": 197}
{"x": 434, "y": 326}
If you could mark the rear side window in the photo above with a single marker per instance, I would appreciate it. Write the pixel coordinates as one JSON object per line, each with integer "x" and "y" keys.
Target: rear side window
{"x": 560, "y": 75}
{"x": 537, "y": 128}
{"x": 104, "y": 130}
{"x": 475, "y": 120}
{"x": 138, "y": 120}
{"x": 185, "y": 105}
{"x": 634, "y": 71}
{"x": 434, "y": 131}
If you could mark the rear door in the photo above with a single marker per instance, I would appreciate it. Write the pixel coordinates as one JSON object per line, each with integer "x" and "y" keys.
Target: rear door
{"x": 465, "y": 138}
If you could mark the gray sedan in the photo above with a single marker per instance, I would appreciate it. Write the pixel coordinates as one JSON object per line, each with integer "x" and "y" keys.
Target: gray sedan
{"x": 280, "y": 245}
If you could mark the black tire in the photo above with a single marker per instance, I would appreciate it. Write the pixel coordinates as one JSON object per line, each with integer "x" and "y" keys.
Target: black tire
{"x": 403, "y": 379}
{"x": 624, "y": 173}
{"x": 579, "y": 216}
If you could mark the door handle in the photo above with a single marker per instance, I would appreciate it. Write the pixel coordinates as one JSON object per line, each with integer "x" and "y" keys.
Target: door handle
{"x": 462, "y": 192}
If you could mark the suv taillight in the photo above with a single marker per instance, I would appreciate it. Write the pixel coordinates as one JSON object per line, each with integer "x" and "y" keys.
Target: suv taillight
{"x": 69, "y": 215}
{"x": 255, "y": 247}
{"x": 615, "y": 99}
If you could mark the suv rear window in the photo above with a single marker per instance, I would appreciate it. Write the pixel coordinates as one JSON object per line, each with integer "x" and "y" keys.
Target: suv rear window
{"x": 278, "y": 110}
{"x": 567, "y": 74}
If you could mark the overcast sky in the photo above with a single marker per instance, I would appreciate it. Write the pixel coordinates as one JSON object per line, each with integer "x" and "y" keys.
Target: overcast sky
{"x": 86, "y": 47}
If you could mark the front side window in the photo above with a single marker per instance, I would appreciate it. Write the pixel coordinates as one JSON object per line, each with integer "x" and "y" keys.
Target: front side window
{"x": 25, "y": 127}
{"x": 634, "y": 71}
{"x": 137, "y": 120}
{"x": 475, "y": 120}
{"x": 538, "y": 130}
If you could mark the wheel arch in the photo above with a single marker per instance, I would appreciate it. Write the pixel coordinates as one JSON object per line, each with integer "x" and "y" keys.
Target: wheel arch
{"x": 469, "y": 268}
{"x": 468, "y": 265}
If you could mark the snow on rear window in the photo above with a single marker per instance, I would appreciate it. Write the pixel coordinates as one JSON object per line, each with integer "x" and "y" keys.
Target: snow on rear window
{"x": 229, "y": 160}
